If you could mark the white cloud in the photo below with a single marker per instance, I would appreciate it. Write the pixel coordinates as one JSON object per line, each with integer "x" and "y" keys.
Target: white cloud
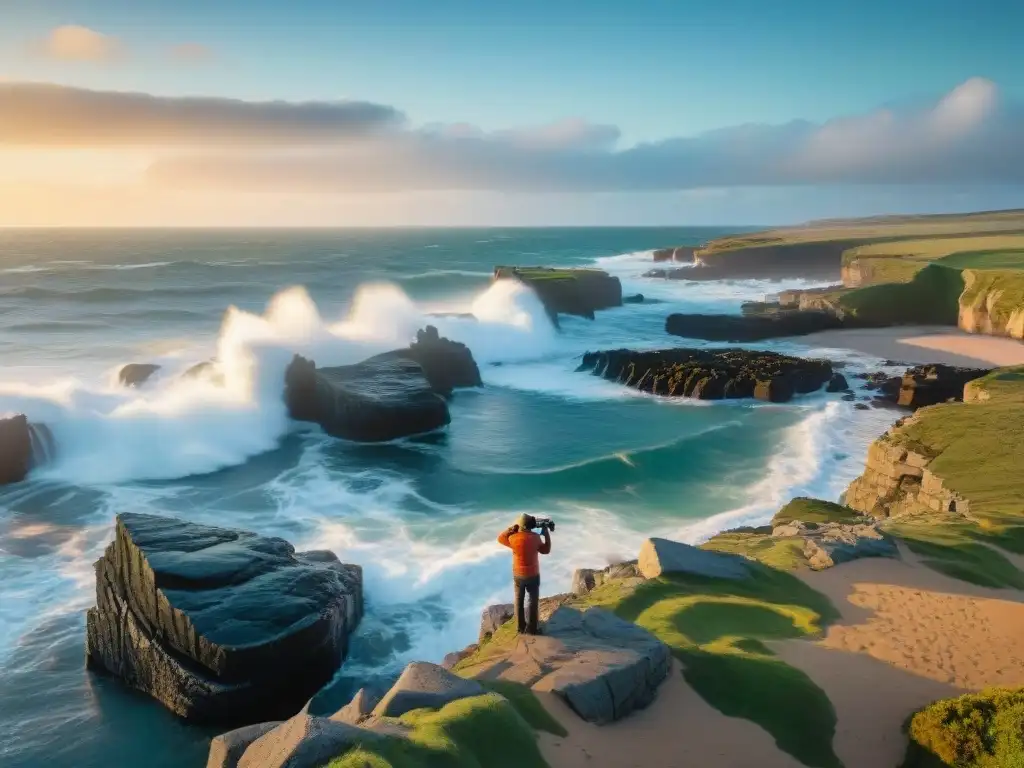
{"x": 75, "y": 43}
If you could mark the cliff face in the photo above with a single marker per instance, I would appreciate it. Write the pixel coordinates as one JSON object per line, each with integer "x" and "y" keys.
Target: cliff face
{"x": 993, "y": 303}
{"x": 897, "y": 480}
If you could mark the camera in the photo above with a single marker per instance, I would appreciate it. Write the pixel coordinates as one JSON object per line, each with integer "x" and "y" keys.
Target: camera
{"x": 544, "y": 523}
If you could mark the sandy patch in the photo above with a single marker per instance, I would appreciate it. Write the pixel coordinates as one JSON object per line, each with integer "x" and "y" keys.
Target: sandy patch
{"x": 678, "y": 730}
{"x": 922, "y": 344}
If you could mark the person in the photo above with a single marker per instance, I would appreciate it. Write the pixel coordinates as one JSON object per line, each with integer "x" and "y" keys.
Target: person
{"x": 526, "y": 546}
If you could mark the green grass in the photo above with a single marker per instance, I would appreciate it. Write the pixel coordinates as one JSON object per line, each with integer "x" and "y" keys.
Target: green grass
{"x": 897, "y": 261}
{"x": 1003, "y": 385}
{"x": 982, "y": 283}
{"x": 983, "y": 730}
{"x": 782, "y": 553}
{"x": 931, "y": 297}
{"x": 962, "y": 549}
{"x": 991, "y": 259}
{"x": 527, "y": 705}
{"x": 716, "y": 628}
{"x": 809, "y": 510}
{"x": 479, "y": 732}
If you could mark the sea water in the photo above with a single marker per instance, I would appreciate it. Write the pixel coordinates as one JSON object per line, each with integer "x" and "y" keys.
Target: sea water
{"x": 610, "y": 465}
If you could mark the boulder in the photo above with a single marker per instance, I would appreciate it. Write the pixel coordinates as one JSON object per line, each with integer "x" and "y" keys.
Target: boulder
{"x": 358, "y": 709}
{"x": 585, "y": 580}
{"x": 447, "y": 364}
{"x": 382, "y": 398}
{"x": 829, "y": 544}
{"x": 23, "y": 447}
{"x": 227, "y": 749}
{"x": 710, "y": 374}
{"x": 136, "y": 374}
{"x": 219, "y": 625}
{"x": 568, "y": 291}
{"x": 451, "y": 659}
{"x": 602, "y": 666}
{"x": 925, "y": 385}
{"x": 837, "y": 383}
{"x": 304, "y": 741}
{"x": 661, "y": 557}
{"x": 637, "y": 298}
{"x": 425, "y": 685}
{"x": 750, "y": 327}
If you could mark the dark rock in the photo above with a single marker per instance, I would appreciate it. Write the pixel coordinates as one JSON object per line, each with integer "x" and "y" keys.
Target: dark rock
{"x": 425, "y": 685}
{"x": 818, "y": 260}
{"x": 447, "y": 364}
{"x": 662, "y": 556}
{"x": 862, "y": 407}
{"x": 382, "y": 398}
{"x": 23, "y": 447}
{"x": 635, "y": 299}
{"x": 837, "y": 383}
{"x": 569, "y": 291}
{"x": 925, "y": 385}
{"x": 849, "y": 397}
{"x": 227, "y": 749}
{"x": 219, "y": 625}
{"x": 710, "y": 374}
{"x": 739, "y": 328}
{"x": 137, "y": 374}
{"x": 682, "y": 253}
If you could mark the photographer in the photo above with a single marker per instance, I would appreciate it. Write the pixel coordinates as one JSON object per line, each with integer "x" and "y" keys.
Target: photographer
{"x": 526, "y": 546}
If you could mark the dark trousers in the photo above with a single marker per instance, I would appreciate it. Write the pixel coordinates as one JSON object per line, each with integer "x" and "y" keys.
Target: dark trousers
{"x": 526, "y": 585}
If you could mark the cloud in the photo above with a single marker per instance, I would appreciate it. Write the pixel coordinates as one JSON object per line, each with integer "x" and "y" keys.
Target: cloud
{"x": 53, "y": 115}
{"x": 74, "y": 43}
{"x": 191, "y": 53}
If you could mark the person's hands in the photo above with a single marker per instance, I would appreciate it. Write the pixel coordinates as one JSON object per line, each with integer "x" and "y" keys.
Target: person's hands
{"x": 513, "y": 528}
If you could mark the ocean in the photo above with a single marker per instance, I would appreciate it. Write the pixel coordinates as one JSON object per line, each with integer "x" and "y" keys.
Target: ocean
{"x": 610, "y": 465}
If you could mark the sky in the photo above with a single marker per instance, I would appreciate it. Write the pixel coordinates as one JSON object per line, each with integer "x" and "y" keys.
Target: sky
{"x": 460, "y": 112}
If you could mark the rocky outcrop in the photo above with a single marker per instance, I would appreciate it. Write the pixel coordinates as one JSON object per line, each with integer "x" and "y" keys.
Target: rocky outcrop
{"x": 23, "y": 447}
{"x": 602, "y": 666}
{"x": 659, "y": 557}
{"x": 219, "y": 625}
{"x": 828, "y": 544}
{"x": 681, "y": 253}
{"x": 742, "y": 328}
{"x": 358, "y": 709}
{"x": 585, "y": 580}
{"x": 494, "y": 616}
{"x": 808, "y": 260}
{"x": 425, "y": 685}
{"x": 991, "y": 303}
{"x": 636, "y": 298}
{"x": 925, "y": 385}
{"x": 136, "y": 374}
{"x": 711, "y": 374}
{"x": 227, "y": 749}
{"x": 382, "y": 398}
{"x": 897, "y": 481}
{"x": 568, "y": 291}
{"x": 304, "y": 741}
{"x": 447, "y": 364}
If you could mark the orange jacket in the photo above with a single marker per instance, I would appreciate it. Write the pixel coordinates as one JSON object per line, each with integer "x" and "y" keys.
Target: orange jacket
{"x": 525, "y": 546}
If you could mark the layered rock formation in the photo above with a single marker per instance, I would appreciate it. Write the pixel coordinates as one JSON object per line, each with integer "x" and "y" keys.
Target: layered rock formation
{"x": 819, "y": 260}
{"x": 829, "y": 544}
{"x": 447, "y": 364}
{"x": 23, "y": 447}
{"x": 925, "y": 385}
{"x": 751, "y": 327}
{"x": 219, "y": 625}
{"x": 569, "y": 291}
{"x": 382, "y": 398}
{"x": 992, "y": 303}
{"x": 711, "y": 374}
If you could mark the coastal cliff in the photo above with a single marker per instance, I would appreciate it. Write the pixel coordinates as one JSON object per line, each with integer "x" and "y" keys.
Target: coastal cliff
{"x": 992, "y": 303}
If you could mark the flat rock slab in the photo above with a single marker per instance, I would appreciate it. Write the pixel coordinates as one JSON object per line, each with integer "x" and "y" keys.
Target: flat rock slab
{"x": 603, "y": 666}
{"x": 660, "y": 557}
{"x": 422, "y": 684}
{"x": 304, "y": 741}
{"x": 219, "y": 625}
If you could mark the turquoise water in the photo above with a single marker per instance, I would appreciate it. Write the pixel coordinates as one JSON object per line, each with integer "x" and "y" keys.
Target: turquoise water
{"x": 610, "y": 465}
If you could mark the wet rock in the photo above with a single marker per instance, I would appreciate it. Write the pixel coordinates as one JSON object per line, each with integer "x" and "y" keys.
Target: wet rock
{"x": 710, "y": 374}
{"x": 681, "y": 253}
{"x": 447, "y": 364}
{"x": 661, "y": 556}
{"x": 425, "y": 685}
{"x": 23, "y": 447}
{"x": 837, "y": 383}
{"x": 751, "y": 327}
{"x": 219, "y": 625}
{"x": 568, "y": 291}
{"x": 637, "y": 298}
{"x": 137, "y": 374}
{"x": 382, "y": 398}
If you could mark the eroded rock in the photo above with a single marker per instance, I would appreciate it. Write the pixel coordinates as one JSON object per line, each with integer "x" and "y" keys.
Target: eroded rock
{"x": 23, "y": 447}
{"x": 422, "y": 684}
{"x": 137, "y": 374}
{"x": 304, "y": 741}
{"x": 568, "y": 291}
{"x": 447, "y": 364}
{"x": 662, "y": 557}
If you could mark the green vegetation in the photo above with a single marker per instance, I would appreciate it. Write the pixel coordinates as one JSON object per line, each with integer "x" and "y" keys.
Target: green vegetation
{"x": 716, "y": 628}
{"x": 527, "y": 705}
{"x": 781, "y": 553}
{"x": 1000, "y": 291}
{"x": 480, "y": 732}
{"x": 993, "y": 259}
{"x": 1003, "y": 385}
{"x": 808, "y": 510}
{"x": 897, "y": 261}
{"x": 983, "y": 730}
{"x": 547, "y": 273}
{"x": 931, "y": 297}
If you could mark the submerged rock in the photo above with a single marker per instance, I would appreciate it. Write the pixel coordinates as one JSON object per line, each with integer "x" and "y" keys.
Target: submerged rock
{"x": 711, "y": 374}
{"x": 219, "y": 625}
{"x": 637, "y": 298}
{"x": 23, "y": 447}
{"x": 751, "y": 327}
{"x": 382, "y": 398}
{"x": 569, "y": 291}
{"x": 137, "y": 374}
{"x": 447, "y": 364}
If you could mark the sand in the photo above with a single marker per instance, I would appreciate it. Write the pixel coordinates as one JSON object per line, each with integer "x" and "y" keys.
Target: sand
{"x": 907, "y": 636}
{"x": 922, "y": 344}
